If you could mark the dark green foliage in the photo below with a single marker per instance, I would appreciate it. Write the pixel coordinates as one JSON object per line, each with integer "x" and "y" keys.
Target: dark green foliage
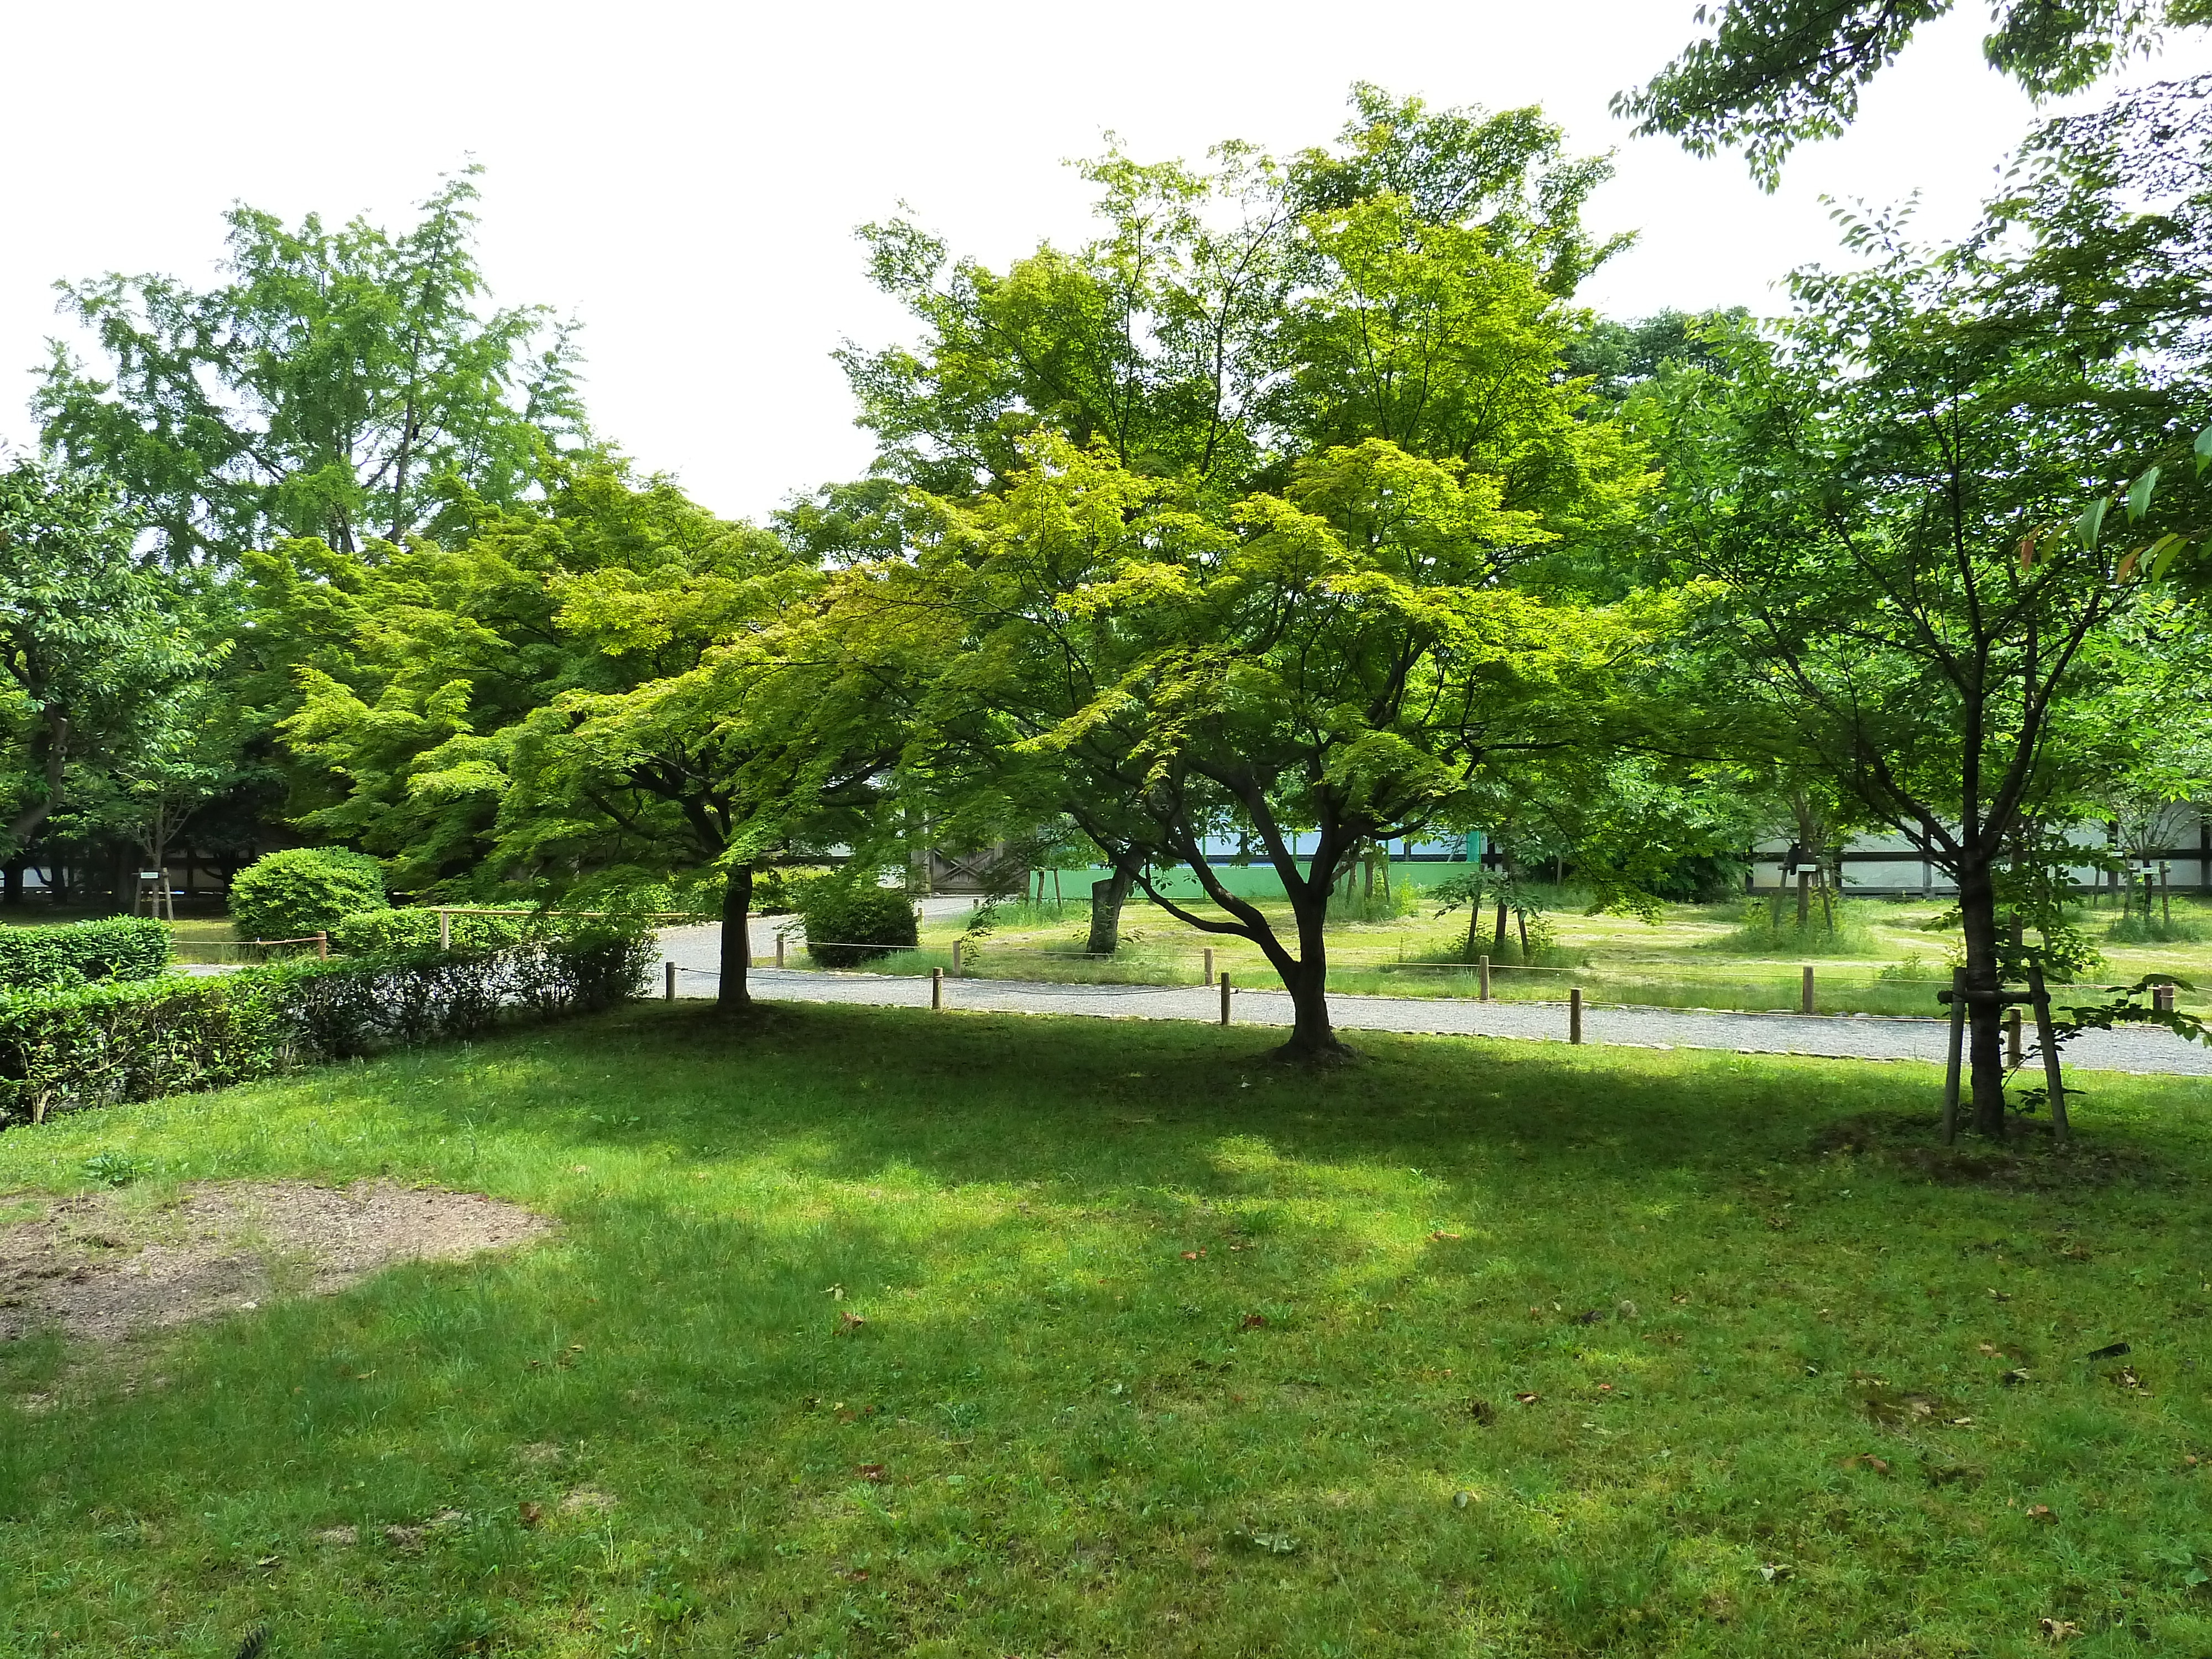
{"x": 302, "y": 891}
{"x": 49, "y": 958}
{"x": 118, "y": 1041}
{"x": 1773, "y": 73}
{"x": 782, "y": 887}
{"x": 858, "y": 921}
{"x": 1701, "y": 878}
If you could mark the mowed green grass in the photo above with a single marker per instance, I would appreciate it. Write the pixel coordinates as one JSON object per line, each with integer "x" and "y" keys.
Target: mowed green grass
{"x": 1470, "y": 1348}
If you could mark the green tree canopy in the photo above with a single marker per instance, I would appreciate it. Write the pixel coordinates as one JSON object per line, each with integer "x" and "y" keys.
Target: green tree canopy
{"x": 92, "y": 643}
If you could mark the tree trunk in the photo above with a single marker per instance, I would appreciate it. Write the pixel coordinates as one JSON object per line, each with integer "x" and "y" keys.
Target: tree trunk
{"x": 1313, "y": 1038}
{"x": 13, "y": 893}
{"x": 1497, "y": 939}
{"x": 1978, "y": 913}
{"x": 731, "y": 993}
{"x": 1474, "y": 927}
{"x": 1107, "y": 899}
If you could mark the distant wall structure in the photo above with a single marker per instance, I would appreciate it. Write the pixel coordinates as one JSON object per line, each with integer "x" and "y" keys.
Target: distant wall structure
{"x": 1889, "y": 866}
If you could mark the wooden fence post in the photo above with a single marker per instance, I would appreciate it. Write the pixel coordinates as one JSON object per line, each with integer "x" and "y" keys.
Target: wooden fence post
{"x": 955, "y": 958}
{"x": 1575, "y": 1014}
{"x": 778, "y": 950}
{"x": 445, "y": 930}
{"x": 668, "y": 982}
{"x": 1958, "y": 1045}
{"x": 1482, "y": 969}
{"x": 2012, "y": 1038}
{"x": 1805, "y": 995}
{"x": 1208, "y": 979}
{"x": 2046, "y": 1038}
{"x": 937, "y": 987}
{"x": 322, "y": 943}
{"x": 1225, "y": 996}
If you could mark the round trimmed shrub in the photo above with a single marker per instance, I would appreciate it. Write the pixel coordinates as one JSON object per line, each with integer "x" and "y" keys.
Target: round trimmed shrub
{"x": 304, "y": 889}
{"x": 857, "y": 921}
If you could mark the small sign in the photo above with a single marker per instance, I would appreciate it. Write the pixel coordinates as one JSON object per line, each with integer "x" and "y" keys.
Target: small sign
{"x": 148, "y": 875}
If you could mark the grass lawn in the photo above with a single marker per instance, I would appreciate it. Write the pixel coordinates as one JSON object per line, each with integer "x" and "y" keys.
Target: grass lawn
{"x": 871, "y": 1332}
{"x": 1676, "y": 961}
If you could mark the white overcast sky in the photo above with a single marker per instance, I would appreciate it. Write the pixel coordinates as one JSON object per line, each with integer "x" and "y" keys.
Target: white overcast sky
{"x": 684, "y": 180}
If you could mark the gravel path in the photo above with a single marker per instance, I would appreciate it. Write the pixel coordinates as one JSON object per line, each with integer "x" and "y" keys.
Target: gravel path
{"x": 1849, "y": 1036}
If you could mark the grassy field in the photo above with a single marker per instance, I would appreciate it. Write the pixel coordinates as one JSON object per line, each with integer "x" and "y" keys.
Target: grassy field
{"x": 1681, "y": 960}
{"x": 871, "y": 1332}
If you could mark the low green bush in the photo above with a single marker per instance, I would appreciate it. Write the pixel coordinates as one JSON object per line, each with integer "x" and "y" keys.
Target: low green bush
{"x": 1769, "y": 929}
{"x": 303, "y": 891}
{"x": 2135, "y": 928}
{"x": 106, "y": 1043}
{"x": 855, "y": 919}
{"x": 121, "y": 947}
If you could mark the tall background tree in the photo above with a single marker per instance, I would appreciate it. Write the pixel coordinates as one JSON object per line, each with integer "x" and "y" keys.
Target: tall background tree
{"x": 334, "y": 386}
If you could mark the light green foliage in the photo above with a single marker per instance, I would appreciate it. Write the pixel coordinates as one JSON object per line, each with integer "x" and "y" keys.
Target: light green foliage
{"x": 303, "y": 889}
{"x": 339, "y": 385}
{"x": 1767, "y": 1411}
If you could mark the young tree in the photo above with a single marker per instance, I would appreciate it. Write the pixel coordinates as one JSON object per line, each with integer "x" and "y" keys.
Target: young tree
{"x": 333, "y": 388}
{"x": 1905, "y": 580}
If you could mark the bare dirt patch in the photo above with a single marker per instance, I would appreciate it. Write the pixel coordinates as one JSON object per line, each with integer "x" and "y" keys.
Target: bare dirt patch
{"x": 103, "y": 1265}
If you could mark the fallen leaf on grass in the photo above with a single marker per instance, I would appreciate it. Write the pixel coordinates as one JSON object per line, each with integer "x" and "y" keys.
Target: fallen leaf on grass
{"x": 873, "y": 1473}
{"x": 1775, "y": 1572}
{"x": 1528, "y": 1399}
{"x": 268, "y": 1561}
{"x": 1265, "y": 1543}
{"x": 1867, "y": 1461}
{"x": 1442, "y": 1237}
{"x": 339, "y": 1535}
{"x": 531, "y": 1514}
{"x": 848, "y": 1322}
{"x": 2126, "y": 1377}
{"x": 2001, "y": 1296}
{"x": 2059, "y": 1629}
{"x": 2013, "y": 1378}
{"x": 1255, "y": 1322}
{"x": 2041, "y": 1512}
{"x": 1590, "y": 1316}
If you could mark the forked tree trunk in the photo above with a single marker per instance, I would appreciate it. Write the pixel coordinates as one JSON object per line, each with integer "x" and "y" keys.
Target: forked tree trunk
{"x": 731, "y": 993}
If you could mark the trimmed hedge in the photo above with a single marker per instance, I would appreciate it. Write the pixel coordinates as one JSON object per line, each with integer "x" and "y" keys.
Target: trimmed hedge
{"x": 857, "y": 921}
{"x": 372, "y": 932}
{"x": 109, "y": 1043}
{"x": 302, "y": 891}
{"x": 52, "y": 958}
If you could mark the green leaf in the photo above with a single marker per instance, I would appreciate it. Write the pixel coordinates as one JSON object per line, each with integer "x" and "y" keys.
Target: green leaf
{"x": 2091, "y": 524}
{"x": 2163, "y": 552}
{"x": 2139, "y": 495}
{"x": 2203, "y": 451}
